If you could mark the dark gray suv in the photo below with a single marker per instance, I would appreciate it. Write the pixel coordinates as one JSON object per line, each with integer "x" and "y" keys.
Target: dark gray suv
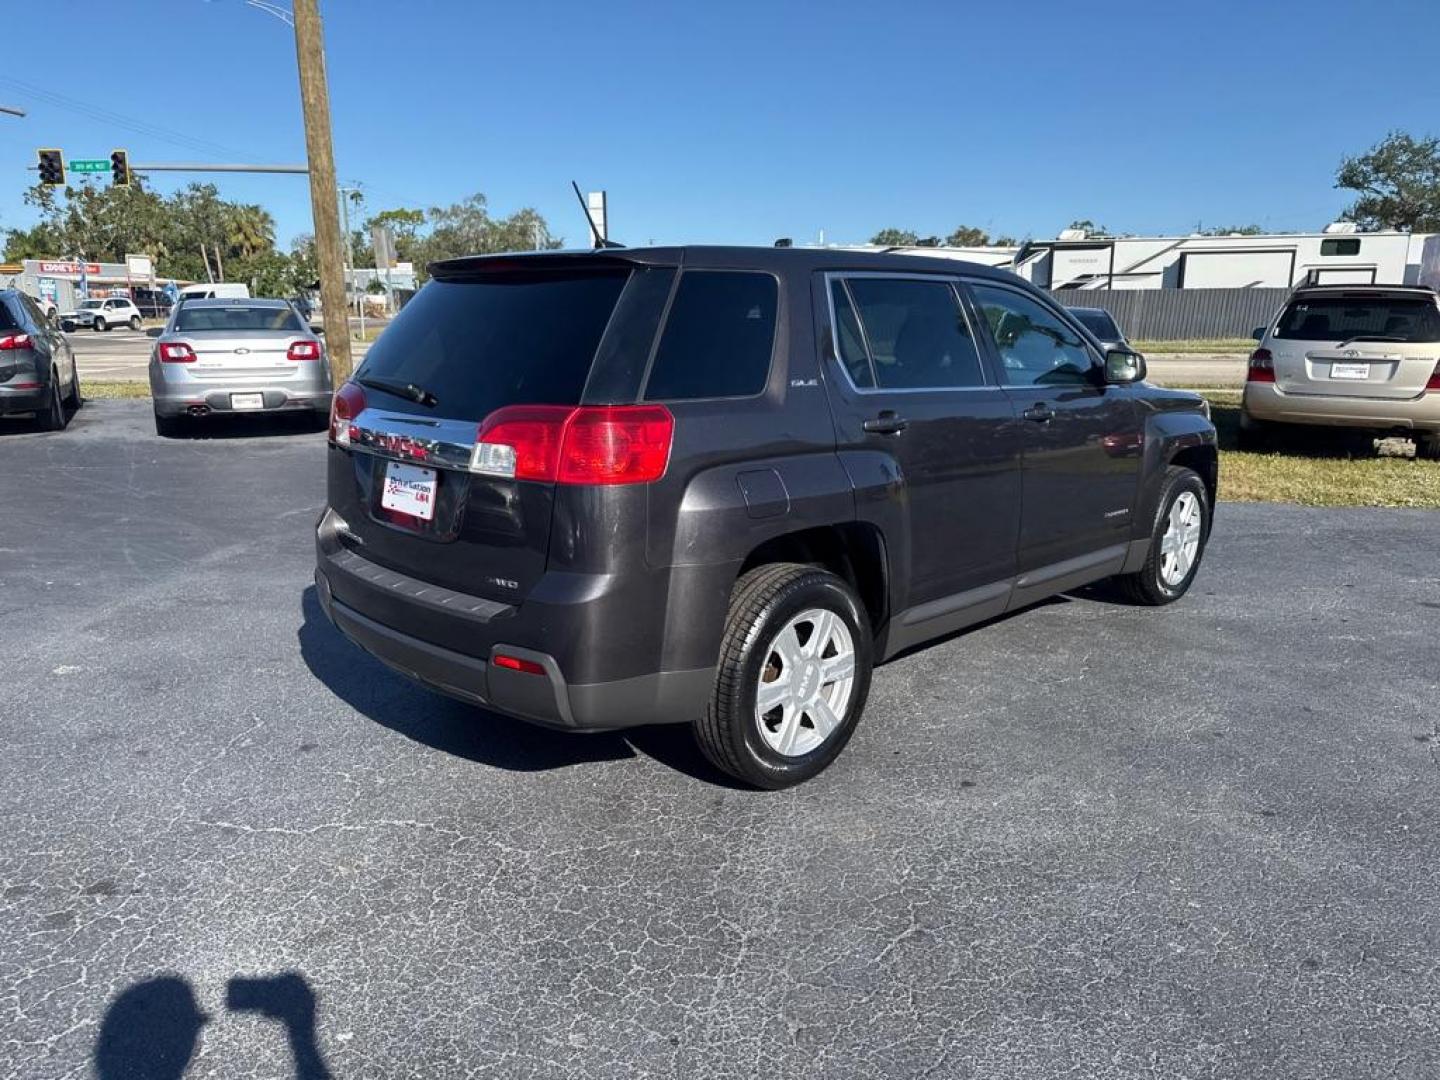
{"x": 37, "y": 366}
{"x": 717, "y": 485}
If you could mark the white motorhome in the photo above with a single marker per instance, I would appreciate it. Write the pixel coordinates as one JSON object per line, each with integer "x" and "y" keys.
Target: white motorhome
{"x": 1338, "y": 256}
{"x": 216, "y": 290}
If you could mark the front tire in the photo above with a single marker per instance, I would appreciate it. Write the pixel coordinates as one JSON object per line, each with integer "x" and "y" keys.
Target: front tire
{"x": 1177, "y": 541}
{"x": 793, "y": 676}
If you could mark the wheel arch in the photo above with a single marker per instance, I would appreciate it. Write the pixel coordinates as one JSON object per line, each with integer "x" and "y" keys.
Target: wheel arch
{"x": 853, "y": 551}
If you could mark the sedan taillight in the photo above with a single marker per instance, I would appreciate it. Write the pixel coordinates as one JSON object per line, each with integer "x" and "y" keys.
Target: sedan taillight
{"x": 303, "y": 350}
{"x": 1262, "y": 367}
{"x": 175, "y": 352}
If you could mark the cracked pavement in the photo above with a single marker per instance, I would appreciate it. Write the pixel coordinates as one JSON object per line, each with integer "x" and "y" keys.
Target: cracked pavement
{"x": 1084, "y": 841}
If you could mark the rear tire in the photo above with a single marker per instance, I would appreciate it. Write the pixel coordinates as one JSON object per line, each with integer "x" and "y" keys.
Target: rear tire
{"x": 818, "y": 685}
{"x": 1428, "y": 446}
{"x": 134, "y": 322}
{"x": 74, "y": 400}
{"x": 1182, "y": 525}
{"x": 169, "y": 427}
{"x": 54, "y": 417}
{"x": 1254, "y": 434}
{"x": 100, "y": 324}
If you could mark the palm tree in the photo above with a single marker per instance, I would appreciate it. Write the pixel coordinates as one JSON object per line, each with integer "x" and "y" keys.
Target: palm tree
{"x": 249, "y": 230}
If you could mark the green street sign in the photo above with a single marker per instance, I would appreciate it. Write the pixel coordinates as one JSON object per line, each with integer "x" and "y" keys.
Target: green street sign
{"x": 90, "y": 165}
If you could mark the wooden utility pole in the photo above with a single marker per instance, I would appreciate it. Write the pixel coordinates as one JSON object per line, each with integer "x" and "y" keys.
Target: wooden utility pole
{"x": 315, "y": 99}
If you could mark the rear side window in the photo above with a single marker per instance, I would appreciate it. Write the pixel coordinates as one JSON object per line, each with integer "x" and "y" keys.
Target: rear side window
{"x": 849, "y": 344}
{"x": 199, "y": 319}
{"x": 1347, "y": 246}
{"x": 718, "y": 337}
{"x": 8, "y": 318}
{"x": 917, "y": 335}
{"x": 496, "y": 339}
{"x": 1339, "y": 318}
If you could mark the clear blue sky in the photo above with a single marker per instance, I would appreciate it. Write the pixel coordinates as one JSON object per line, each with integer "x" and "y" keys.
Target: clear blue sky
{"x": 743, "y": 121}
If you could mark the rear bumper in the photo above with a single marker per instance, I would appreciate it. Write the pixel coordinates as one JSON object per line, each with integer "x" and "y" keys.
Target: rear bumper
{"x": 549, "y": 699}
{"x": 176, "y": 393}
{"x": 23, "y": 401}
{"x": 1265, "y": 401}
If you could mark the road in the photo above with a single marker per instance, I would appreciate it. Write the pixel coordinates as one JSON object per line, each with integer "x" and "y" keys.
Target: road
{"x": 119, "y": 355}
{"x": 1087, "y": 840}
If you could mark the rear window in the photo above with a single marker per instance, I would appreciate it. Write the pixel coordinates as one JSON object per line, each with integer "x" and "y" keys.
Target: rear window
{"x": 497, "y": 339}
{"x": 1098, "y": 323}
{"x": 1340, "y": 318}
{"x": 718, "y": 337}
{"x": 193, "y": 320}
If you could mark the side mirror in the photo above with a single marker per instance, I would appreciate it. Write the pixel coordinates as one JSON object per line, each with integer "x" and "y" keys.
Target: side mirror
{"x": 155, "y": 331}
{"x": 1123, "y": 367}
{"x": 1258, "y": 333}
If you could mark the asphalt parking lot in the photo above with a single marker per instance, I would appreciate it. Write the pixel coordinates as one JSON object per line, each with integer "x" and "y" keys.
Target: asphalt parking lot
{"x": 1087, "y": 840}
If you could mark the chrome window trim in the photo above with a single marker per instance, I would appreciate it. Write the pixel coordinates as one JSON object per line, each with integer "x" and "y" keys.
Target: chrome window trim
{"x": 843, "y": 276}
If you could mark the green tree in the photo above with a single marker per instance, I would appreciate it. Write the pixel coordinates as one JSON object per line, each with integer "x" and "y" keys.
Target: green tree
{"x": 967, "y": 236}
{"x": 895, "y": 238}
{"x": 1091, "y": 229}
{"x": 1398, "y": 180}
{"x": 1233, "y": 230}
{"x": 405, "y": 225}
{"x": 249, "y": 230}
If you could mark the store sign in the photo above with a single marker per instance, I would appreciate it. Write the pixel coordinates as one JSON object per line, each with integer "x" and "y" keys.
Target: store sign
{"x": 69, "y": 268}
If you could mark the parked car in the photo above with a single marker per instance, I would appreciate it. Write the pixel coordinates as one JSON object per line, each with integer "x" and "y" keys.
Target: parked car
{"x": 229, "y": 356}
{"x": 37, "y": 367}
{"x": 152, "y": 303}
{"x": 1103, "y": 325}
{"x": 216, "y": 290}
{"x": 102, "y": 314}
{"x": 731, "y": 480}
{"x": 1354, "y": 356}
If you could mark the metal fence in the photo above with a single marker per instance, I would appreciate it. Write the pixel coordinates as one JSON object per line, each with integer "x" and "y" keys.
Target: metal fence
{"x": 1178, "y": 314}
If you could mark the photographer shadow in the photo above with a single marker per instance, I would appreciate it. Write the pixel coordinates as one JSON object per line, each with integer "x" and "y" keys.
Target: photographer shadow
{"x": 151, "y": 1029}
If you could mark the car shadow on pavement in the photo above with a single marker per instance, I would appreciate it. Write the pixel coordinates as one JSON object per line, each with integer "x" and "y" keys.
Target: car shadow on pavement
{"x": 469, "y": 731}
{"x": 152, "y": 1028}
{"x": 249, "y": 426}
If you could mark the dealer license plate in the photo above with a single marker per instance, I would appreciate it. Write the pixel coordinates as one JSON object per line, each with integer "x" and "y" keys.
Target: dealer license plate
{"x": 1349, "y": 371}
{"x": 409, "y": 489}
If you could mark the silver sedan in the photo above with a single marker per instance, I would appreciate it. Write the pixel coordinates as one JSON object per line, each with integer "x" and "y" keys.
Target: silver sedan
{"x": 234, "y": 356}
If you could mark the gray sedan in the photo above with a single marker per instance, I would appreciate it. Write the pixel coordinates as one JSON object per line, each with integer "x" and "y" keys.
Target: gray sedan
{"x": 233, "y": 356}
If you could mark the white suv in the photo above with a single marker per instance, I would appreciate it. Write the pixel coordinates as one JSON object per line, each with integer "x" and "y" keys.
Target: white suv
{"x": 102, "y": 314}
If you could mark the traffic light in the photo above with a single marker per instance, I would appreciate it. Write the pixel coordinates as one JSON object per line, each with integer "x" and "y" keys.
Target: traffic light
{"x": 119, "y": 167}
{"x": 52, "y": 167}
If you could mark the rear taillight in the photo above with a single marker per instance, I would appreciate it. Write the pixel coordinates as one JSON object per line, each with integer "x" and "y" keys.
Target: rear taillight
{"x": 175, "y": 352}
{"x": 15, "y": 341}
{"x": 345, "y": 405}
{"x": 602, "y": 444}
{"x": 1262, "y": 367}
{"x": 303, "y": 350}
{"x": 1434, "y": 381}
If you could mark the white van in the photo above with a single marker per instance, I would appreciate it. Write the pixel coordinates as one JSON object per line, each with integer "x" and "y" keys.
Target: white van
{"x": 223, "y": 290}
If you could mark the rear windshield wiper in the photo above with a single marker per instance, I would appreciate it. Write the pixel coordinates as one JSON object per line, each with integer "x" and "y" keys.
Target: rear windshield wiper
{"x": 417, "y": 394}
{"x": 1373, "y": 337}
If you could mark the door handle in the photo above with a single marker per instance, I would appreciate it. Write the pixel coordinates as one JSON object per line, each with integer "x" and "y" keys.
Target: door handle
{"x": 887, "y": 423}
{"x": 1040, "y": 413}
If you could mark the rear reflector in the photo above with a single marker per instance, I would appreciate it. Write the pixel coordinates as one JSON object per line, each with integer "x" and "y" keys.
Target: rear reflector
{"x": 347, "y": 403}
{"x": 303, "y": 350}
{"x": 15, "y": 341}
{"x": 601, "y": 444}
{"x": 514, "y": 663}
{"x": 1262, "y": 367}
{"x": 175, "y": 352}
